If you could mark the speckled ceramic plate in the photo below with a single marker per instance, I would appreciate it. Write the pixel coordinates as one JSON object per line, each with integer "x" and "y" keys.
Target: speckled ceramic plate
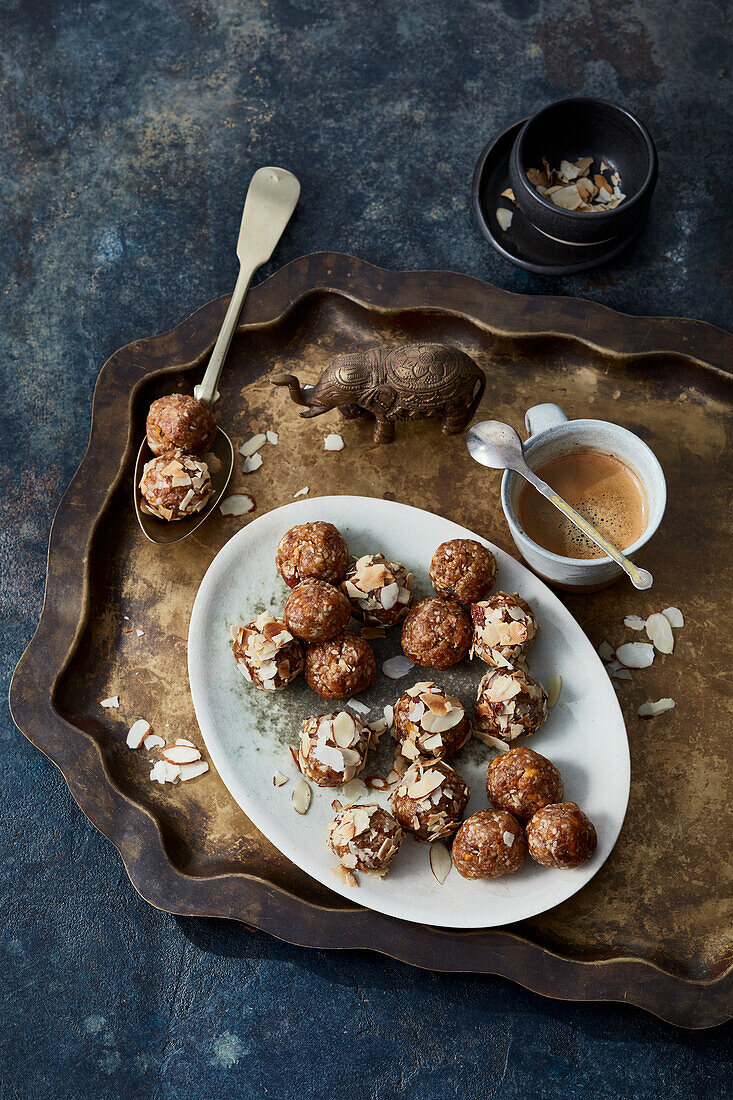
{"x": 248, "y": 731}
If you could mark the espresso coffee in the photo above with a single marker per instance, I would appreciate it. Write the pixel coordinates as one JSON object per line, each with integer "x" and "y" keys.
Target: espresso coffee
{"x": 599, "y": 486}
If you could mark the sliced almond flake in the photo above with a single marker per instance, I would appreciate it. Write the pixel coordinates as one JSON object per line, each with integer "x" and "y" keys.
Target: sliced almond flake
{"x": 137, "y": 733}
{"x": 636, "y": 654}
{"x": 273, "y": 437}
{"x": 508, "y": 193}
{"x": 504, "y": 218}
{"x": 302, "y": 492}
{"x": 113, "y": 701}
{"x": 279, "y": 780}
{"x": 376, "y": 783}
{"x": 430, "y": 781}
{"x": 389, "y": 715}
{"x": 183, "y": 741}
{"x": 568, "y": 170}
{"x": 605, "y": 651}
{"x": 180, "y": 754}
{"x": 139, "y": 632}
{"x": 333, "y": 442}
{"x": 301, "y": 797}
{"x": 554, "y": 687}
{"x": 430, "y": 744}
{"x": 358, "y": 706}
{"x": 354, "y": 789}
{"x": 674, "y": 616}
{"x": 192, "y": 770}
{"x": 397, "y": 667}
{"x": 659, "y": 632}
{"x": 344, "y": 729}
{"x": 633, "y": 622}
{"x": 344, "y": 875}
{"x": 567, "y": 197}
{"x": 294, "y": 753}
{"x": 238, "y": 504}
{"x": 508, "y": 838}
{"x": 330, "y": 757}
{"x": 440, "y": 723}
{"x": 153, "y": 741}
{"x": 651, "y": 710}
{"x": 164, "y": 772}
{"x": 252, "y": 463}
{"x": 440, "y": 861}
{"x": 492, "y": 742}
{"x": 390, "y": 595}
{"x": 253, "y": 445}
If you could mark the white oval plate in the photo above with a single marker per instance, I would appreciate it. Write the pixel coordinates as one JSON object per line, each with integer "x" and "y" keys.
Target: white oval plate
{"x": 247, "y": 731}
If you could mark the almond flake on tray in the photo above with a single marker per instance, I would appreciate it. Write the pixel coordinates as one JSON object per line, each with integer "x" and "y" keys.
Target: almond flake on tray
{"x": 253, "y": 445}
{"x": 302, "y": 492}
{"x": 238, "y": 504}
{"x": 113, "y": 701}
{"x": 252, "y": 463}
{"x": 333, "y": 442}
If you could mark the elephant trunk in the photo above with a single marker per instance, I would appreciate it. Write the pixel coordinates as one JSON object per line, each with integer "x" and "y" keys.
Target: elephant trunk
{"x": 301, "y": 395}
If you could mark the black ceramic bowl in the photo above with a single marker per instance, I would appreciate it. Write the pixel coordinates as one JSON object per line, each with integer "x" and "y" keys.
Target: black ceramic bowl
{"x": 578, "y": 127}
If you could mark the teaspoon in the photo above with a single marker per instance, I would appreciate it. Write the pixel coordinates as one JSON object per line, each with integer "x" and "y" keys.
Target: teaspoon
{"x": 271, "y": 199}
{"x": 498, "y": 446}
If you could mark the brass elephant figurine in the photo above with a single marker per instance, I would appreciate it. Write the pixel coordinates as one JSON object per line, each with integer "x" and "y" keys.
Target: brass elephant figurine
{"x": 387, "y": 384}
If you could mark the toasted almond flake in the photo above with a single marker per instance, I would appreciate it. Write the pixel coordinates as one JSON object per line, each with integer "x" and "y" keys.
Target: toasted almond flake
{"x": 137, "y": 733}
{"x": 567, "y": 197}
{"x": 397, "y": 667}
{"x": 153, "y": 741}
{"x": 492, "y": 742}
{"x": 113, "y": 701}
{"x": 440, "y": 861}
{"x": 508, "y": 193}
{"x": 605, "y": 651}
{"x": 294, "y": 754}
{"x": 659, "y": 632}
{"x": 354, "y": 790}
{"x": 273, "y": 437}
{"x": 139, "y": 632}
{"x": 674, "y": 616}
{"x": 180, "y": 754}
{"x": 253, "y": 445}
{"x": 238, "y": 504}
{"x": 633, "y": 622}
{"x": 358, "y": 706}
{"x": 164, "y": 772}
{"x": 554, "y": 687}
{"x": 508, "y": 838}
{"x": 376, "y": 783}
{"x": 333, "y": 442}
{"x": 389, "y": 715}
{"x": 390, "y": 595}
{"x": 568, "y": 170}
{"x": 636, "y": 654}
{"x": 279, "y": 780}
{"x": 344, "y": 874}
{"x": 504, "y": 218}
{"x": 253, "y": 463}
{"x": 651, "y": 710}
{"x": 192, "y": 770}
{"x": 301, "y": 797}
{"x": 302, "y": 492}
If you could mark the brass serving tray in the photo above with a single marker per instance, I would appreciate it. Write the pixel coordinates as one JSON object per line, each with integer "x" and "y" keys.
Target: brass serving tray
{"x": 653, "y": 927}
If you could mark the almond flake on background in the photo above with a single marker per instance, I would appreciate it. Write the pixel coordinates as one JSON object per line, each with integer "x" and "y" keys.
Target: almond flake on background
{"x": 359, "y": 707}
{"x": 440, "y": 861}
{"x": 674, "y": 616}
{"x": 633, "y": 622}
{"x": 301, "y": 797}
{"x": 492, "y": 742}
{"x": 163, "y": 772}
{"x": 113, "y": 701}
{"x": 278, "y": 779}
{"x": 137, "y": 733}
{"x": 651, "y": 710}
{"x": 237, "y": 505}
{"x": 253, "y": 445}
{"x": 397, "y": 667}
{"x": 354, "y": 789}
{"x": 139, "y": 632}
{"x": 636, "y": 654}
{"x": 192, "y": 770}
{"x": 554, "y": 687}
{"x": 181, "y": 754}
{"x": 273, "y": 437}
{"x": 153, "y": 741}
{"x": 508, "y": 193}
{"x": 333, "y": 442}
{"x": 252, "y": 463}
{"x": 504, "y": 218}
{"x": 344, "y": 875}
{"x": 659, "y": 632}
{"x": 376, "y": 783}
{"x": 302, "y": 492}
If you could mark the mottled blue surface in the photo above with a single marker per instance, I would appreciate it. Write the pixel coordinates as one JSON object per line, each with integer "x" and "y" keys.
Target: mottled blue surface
{"x": 129, "y": 132}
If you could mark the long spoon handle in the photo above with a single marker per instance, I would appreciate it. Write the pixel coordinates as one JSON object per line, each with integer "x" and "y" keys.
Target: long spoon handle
{"x": 640, "y": 578}
{"x": 271, "y": 199}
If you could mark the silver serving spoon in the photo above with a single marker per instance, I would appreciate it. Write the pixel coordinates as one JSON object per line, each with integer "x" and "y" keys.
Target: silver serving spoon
{"x": 498, "y": 446}
{"x": 271, "y": 199}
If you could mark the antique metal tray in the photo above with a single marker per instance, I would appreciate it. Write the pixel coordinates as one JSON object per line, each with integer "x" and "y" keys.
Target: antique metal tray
{"x": 653, "y": 927}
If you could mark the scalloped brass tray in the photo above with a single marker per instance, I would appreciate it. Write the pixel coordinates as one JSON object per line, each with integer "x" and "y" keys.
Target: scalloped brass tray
{"x": 653, "y": 927}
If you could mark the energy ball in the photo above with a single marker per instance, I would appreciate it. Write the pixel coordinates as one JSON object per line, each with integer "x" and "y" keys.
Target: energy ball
{"x": 380, "y": 591}
{"x": 266, "y": 653}
{"x": 180, "y": 422}
{"x": 341, "y": 667}
{"x": 489, "y": 844}
{"x": 312, "y": 551}
{"x": 463, "y": 570}
{"x": 316, "y": 611}
{"x": 436, "y": 633}
{"x": 175, "y": 486}
{"x": 364, "y": 838}
{"x": 509, "y": 704}
{"x": 522, "y": 782}
{"x": 429, "y": 723}
{"x": 504, "y": 629}
{"x": 430, "y": 800}
{"x": 333, "y": 748}
{"x": 561, "y": 836}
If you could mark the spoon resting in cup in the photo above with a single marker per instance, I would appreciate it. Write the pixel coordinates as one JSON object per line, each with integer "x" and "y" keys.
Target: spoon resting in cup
{"x": 498, "y": 446}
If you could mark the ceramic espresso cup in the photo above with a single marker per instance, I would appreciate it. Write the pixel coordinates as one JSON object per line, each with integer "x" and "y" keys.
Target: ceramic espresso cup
{"x": 551, "y": 434}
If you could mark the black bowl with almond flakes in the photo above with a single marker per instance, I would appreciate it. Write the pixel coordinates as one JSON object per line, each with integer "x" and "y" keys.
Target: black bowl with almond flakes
{"x": 583, "y": 171}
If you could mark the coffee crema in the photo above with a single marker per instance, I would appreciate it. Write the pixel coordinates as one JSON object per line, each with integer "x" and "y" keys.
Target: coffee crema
{"x": 599, "y": 486}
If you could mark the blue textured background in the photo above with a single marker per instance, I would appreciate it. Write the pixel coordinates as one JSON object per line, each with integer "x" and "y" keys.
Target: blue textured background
{"x": 129, "y": 132}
